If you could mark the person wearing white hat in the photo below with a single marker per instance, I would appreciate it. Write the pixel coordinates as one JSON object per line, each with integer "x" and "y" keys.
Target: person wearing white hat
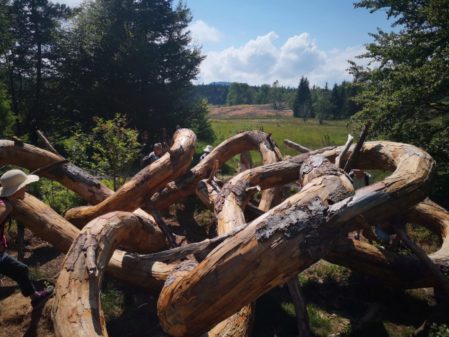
{"x": 13, "y": 187}
{"x": 208, "y": 149}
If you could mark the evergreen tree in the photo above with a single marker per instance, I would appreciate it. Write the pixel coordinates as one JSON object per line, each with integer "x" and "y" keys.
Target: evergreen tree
{"x": 131, "y": 57}
{"x": 30, "y": 57}
{"x": 302, "y": 106}
{"x": 240, "y": 93}
{"x": 407, "y": 95}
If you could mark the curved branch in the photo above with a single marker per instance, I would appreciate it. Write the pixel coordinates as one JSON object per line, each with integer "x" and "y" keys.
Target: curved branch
{"x": 68, "y": 174}
{"x": 149, "y": 180}
{"x": 293, "y": 233}
{"x": 76, "y": 309}
{"x": 187, "y": 183}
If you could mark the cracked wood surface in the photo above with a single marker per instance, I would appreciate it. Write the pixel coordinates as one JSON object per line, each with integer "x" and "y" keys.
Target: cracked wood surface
{"x": 252, "y": 255}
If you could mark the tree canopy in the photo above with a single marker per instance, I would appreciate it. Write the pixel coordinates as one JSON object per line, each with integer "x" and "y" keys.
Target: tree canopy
{"x": 405, "y": 92}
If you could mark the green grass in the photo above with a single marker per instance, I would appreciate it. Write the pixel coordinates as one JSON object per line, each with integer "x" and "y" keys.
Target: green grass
{"x": 309, "y": 134}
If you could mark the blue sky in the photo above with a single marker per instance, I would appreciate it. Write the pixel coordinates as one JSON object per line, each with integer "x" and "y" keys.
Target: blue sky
{"x": 260, "y": 41}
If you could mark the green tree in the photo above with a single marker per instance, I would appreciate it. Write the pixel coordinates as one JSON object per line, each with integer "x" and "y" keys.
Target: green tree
{"x": 406, "y": 95}
{"x": 110, "y": 148}
{"x": 240, "y": 93}
{"x": 200, "y": 124}
{"x": 322, "y": 104}
{"x": 132, "y": 57}
{"x": 7, "y": 118}
{"x": 302, "y": 105}
{"x": 29, "y": 59}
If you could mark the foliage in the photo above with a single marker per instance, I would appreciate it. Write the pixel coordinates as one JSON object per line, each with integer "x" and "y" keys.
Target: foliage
{"x": 321, "y": 104}
{"x": 240, "y": 93}
{"x": 55, "y": 195}
{"x": 110, "y": 149}
{"x": 7, "y": 118}
{"x": 439, "y": 330}
{"x": 131, "y": 57}
{"x": 406, "y": 93}
{"x": 29, "y": 57}
{"x": 302, "y": 105}
{"x": 215, "y": 94}
{"x": 200, "y": 124}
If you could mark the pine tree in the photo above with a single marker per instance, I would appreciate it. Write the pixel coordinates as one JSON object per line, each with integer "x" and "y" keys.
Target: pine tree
{"x": 302, "y": 105}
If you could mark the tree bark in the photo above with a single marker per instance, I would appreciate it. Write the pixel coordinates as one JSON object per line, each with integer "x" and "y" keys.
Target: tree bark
{"x": 77, "y": 309}
{"x": 187, "y": 183}
{"x": 132, "y": 268}
{"x": 149, "y": 180}
{"x": 69, "y": 175}
{"x": 298, "y": 232}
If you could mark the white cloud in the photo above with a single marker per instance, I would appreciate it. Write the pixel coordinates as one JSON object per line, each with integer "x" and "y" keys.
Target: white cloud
{"x": 202, "y": 32}
{"x": 261, "y": 61}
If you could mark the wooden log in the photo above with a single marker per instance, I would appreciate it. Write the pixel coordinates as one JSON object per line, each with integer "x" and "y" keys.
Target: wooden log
{"x": 393, "y": 269}
{"x": 443, "y": 282}
{"x": 345, "y": 150}
{"x": 302, "y": 318}
{"x": 55, "y": 167}
{"x": 128, "y": 267}
{"x": 389, "y": 268}
{"x": 295, "y": 146}
{"x": 76, "y": 309}
{"x": 356, "y": 152}
{"x": 187, "y": 183}
{"x": 149, "y": 180}
{"x": 298, "y": 232}
{"x": 68, "y": 174}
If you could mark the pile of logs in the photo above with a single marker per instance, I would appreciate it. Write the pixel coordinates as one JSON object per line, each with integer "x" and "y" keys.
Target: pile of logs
{"x": 209, "y": 287}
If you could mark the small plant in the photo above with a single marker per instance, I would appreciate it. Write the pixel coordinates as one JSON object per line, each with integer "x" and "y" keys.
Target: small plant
{"x": 319, "y": 323}
{"x": 112, "y": 302}
{"x": 439, "y": 330}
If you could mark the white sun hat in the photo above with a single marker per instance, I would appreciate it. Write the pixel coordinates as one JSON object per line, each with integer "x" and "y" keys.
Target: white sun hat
{"x": 13, "y": 180}
{"x": 208, "y": 148}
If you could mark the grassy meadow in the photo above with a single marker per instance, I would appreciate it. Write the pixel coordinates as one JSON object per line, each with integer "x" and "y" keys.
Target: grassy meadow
{"x": 309, "y": 134}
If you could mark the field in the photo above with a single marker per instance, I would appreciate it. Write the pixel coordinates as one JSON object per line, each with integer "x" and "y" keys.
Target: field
{"x": 309, "y": 134}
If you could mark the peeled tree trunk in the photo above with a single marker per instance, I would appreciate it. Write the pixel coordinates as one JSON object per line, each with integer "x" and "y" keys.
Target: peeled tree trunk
{"x": 52, "y": 166}
{"x": 76, "y": 308}
{"x": 148, "y": 181}
{"x": 298, "y": 232}
{"x": 187, "y": 183}
{"x": 398, "y": 270}
{"x": 132, "y": 268}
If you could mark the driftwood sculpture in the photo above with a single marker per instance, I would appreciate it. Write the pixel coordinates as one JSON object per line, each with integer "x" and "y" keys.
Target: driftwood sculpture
{"x": 257, "y": 247}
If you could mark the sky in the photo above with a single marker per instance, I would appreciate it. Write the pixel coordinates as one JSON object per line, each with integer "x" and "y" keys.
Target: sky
{"x": 261, "y": 41}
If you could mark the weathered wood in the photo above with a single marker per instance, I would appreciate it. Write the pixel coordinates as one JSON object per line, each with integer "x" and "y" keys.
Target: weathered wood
{"x": 399, "y": 227}
{"x": 345, "y": 150}
{"x": 295, "y": 146}
{"x": 243, "y": 269}
{"x": 149, "y": 180}
{"x": 187, "y": 183}
{"x": 68, "y": 174}
{"x": 356, "y": 152}
{"x": 128, "y": 267}
{"x": 393, "y": 269}
{"x": 302, "y": 318}
{"x": 294, "y": 233}
{"x": 47, "y": 142}
{"x": 76, "y": 309}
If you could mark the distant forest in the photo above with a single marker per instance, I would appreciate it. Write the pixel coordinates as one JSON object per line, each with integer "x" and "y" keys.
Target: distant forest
{"x": 306, "y": 102}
